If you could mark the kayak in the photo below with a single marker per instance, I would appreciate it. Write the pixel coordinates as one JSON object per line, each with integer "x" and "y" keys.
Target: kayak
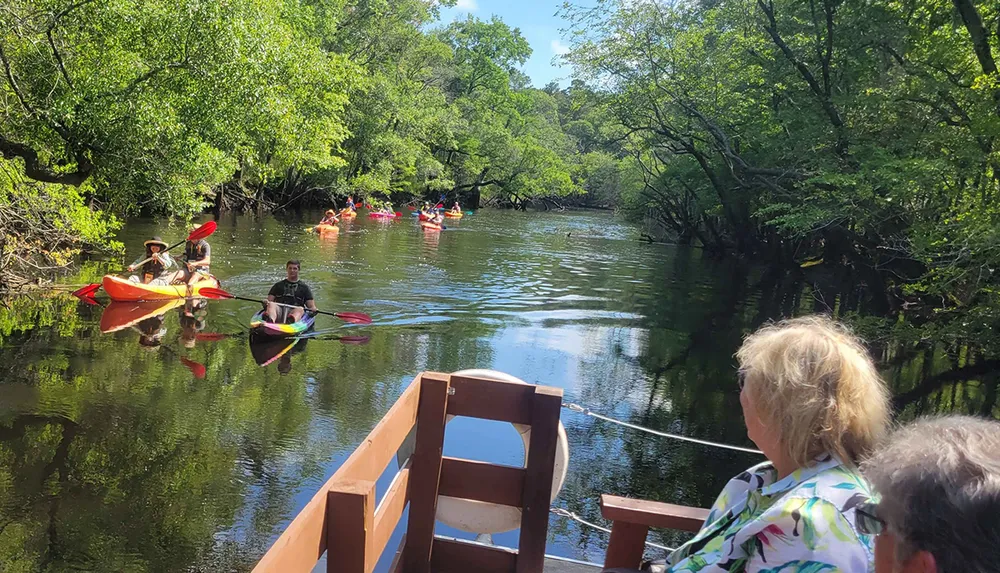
{"x": 428, "y": 226}
{"x": 381, "y": 216}
{"x": 266, "y": 349}
{"x": 348, "y": 214}
{"x": 119, "y": 315}
{"x": 125, "y": 290}
{"x": 424, "y": 217}
{"x": 326, "y": 229}
{"x": 259, "y": 326}
{"x": 454, "y": 214}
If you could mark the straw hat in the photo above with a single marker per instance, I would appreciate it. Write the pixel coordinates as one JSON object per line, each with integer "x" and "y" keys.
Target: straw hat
{"x": 155, "y": 241}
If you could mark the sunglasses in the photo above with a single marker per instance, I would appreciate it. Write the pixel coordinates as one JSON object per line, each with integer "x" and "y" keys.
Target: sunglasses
{"x": 866, "y": 519}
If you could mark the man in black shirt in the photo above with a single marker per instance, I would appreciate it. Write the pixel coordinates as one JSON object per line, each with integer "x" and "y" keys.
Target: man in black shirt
{"x": 290, "y": 291}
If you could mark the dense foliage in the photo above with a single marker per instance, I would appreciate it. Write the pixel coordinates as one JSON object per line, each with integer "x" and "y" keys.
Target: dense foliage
{"x": 862, "y": 133}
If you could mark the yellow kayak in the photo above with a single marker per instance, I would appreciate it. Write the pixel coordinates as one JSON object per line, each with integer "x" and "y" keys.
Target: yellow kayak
{"x": 454, "y": 214}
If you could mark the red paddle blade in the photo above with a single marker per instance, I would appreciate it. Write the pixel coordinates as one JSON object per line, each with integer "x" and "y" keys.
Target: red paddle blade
{"x": 89, "y": 300}
{"x": 196, "y": 368}
{"x": 353, "y": 317}
{"x": 398, "y": 214}
{"x": 203, "y": 231}
{"x": 214, "y": 293}
{"x": 86, "y": 291}
{"x": 211, "y": 336}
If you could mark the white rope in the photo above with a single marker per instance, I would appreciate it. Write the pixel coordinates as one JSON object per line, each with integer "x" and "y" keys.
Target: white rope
{"x": 588, "y": 412}
{"x": 570, "y": 515}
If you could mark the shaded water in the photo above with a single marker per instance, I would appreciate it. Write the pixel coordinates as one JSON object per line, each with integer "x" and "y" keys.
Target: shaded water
{"x": 115, "y": 457}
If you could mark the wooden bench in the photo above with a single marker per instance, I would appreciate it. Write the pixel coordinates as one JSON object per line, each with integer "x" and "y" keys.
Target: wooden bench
{"x": 631, "y": 520}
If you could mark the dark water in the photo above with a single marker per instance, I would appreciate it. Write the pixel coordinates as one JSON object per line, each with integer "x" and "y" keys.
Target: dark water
{"x": 117, "y": 457}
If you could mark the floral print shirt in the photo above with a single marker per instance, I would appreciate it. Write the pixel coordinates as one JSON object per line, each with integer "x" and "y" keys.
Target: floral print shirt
{"x": 803, "y": 523}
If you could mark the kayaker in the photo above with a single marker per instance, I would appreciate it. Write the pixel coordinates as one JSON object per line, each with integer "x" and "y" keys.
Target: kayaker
{"x": 330, "y": 218}
{"x": 290, "y": 291}
{"x": 456, "y": 208}
{"x": 154, "y": 264}
{"x": 438, "y": 218}
{"x": 192, "y": 320}
{"x": 350, "y": 203}
{"x": 197, "y": 260}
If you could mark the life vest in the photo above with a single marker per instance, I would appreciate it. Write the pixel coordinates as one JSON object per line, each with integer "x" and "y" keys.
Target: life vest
{"x": 151, "y": 269}
{"x": 196, "y": 252}
{"x": 290, "y": 294}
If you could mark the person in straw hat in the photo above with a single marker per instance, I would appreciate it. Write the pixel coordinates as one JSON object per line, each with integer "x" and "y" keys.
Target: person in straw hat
{"x": 154, "y": 264}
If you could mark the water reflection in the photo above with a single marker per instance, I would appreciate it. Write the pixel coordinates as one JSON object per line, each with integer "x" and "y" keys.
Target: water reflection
{"x": 117, "y": 458}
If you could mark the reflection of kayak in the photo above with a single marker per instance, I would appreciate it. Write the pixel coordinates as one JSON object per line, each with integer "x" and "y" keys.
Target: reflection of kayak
{"x": 326, "y": 229}
{"x": 454, "y": 214}
{"x": 118, "y": 314}
{"x": 348, "y": 214}
{"x": 428, "y": 226}
{"x": 266, "y": 349}
{"x": 260, "y": 327}
{"x": 381, "y": 216}
{"x": 124, "y": 290}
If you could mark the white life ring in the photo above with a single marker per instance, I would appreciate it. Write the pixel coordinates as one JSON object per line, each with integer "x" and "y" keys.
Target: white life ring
{"x": 484, "y": 517}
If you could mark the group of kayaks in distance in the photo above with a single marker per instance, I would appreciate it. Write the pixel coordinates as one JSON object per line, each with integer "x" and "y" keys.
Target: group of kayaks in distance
{"x": 430, "y": 218}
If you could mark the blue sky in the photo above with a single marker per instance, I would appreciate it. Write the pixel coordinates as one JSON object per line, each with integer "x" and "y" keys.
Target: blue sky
{"x": 539, "y": 25}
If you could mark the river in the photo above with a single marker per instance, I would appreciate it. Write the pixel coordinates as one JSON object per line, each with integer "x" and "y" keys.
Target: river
{"x": 115, "y": 456}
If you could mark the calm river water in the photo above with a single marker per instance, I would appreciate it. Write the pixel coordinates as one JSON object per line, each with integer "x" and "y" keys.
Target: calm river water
{"x": 117, "y": 457}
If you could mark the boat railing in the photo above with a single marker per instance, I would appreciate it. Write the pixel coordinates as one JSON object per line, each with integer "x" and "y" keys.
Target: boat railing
{"x": 345, "y": 521}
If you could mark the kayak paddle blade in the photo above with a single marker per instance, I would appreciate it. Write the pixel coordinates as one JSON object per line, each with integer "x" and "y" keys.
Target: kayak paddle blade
{"x": 211, "y": 336}
{"x": 214, "y": 293}
{"x": 354, "y": 317}
{"x": 203, "y": 231}
{"x": 196, "y": 368}
{"x": 354, "y": 339}
{"x": 86, "y": 291}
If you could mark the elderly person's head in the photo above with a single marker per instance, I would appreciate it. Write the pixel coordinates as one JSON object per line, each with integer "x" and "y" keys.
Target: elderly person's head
{"x": 809, "y": 388}
{"x": 939, "y": 482}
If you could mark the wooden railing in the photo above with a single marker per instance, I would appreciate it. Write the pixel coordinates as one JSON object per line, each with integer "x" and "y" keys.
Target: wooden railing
{"x": 343, "y": 521}
{"x": 631, "y": 520}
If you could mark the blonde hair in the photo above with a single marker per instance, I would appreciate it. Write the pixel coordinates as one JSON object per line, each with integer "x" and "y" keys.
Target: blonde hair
{"x": 813, "y": 382}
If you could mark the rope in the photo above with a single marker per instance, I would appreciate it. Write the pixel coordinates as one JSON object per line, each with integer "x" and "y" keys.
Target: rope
{"x": 570, "y": 515}
{"x": 586, "y": 411}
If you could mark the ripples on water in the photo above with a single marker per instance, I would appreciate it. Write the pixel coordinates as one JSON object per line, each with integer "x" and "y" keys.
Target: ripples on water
{"x": 116, "y": 458}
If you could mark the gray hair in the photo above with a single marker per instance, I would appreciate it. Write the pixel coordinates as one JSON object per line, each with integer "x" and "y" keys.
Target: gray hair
{"x": 939, "y": 482}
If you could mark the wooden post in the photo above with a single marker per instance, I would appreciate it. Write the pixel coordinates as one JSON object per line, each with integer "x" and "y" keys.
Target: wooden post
{"x": 546, "y": 405}
{"x": 350, "y": 519}
{"x": 425, "y": 473}
{"x": 628, "y": 541}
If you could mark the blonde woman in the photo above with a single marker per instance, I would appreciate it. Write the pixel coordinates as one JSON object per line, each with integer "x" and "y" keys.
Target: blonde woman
{"x": 815, "y": 405}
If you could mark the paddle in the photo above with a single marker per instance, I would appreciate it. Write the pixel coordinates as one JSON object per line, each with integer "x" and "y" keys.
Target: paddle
{"x": 352, "y": 317}
{"x": 217, "y": 336}
{"x": 196, "y": 368}
{"x": 196, "y": 235}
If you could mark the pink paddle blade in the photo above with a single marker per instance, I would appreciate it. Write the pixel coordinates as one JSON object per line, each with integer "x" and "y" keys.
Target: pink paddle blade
{"x": 354, "y": 317}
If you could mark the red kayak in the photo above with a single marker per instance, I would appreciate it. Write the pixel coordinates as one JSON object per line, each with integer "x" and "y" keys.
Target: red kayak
{"x": 382, "y": 215}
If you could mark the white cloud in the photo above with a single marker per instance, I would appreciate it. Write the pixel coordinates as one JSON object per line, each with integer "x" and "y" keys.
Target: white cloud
{"x": 559, "y": 48}
{"x": 466, "y": 5}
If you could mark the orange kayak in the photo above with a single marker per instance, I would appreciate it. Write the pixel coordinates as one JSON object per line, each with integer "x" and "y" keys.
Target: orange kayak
{"x": 326, "y": 229}
{"x": 124, "y": 290}
{"x": 119, "y": 315}
{"x": 427, "y": 225}
{"x": 348, "y": 214}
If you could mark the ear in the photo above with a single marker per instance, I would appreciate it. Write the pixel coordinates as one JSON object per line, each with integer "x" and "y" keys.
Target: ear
{"x": 920, "y": 562}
